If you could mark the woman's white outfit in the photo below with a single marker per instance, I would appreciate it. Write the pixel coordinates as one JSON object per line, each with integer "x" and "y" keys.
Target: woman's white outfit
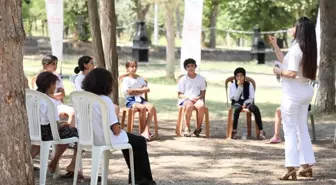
{"x": 296, "y": 96}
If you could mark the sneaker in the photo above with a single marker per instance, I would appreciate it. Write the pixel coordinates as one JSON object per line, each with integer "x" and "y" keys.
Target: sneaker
{"x": 187, "y": 133}
{"x": 262, "y": 135}
{"x": 197, "y": 132}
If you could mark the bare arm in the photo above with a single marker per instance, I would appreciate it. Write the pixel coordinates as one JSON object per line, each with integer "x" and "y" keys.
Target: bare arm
{"x": 284, "y": 73}
{"x": 278, "y": 52}
{"x": 59, "y": 95}
{"x": 182, "y": 96}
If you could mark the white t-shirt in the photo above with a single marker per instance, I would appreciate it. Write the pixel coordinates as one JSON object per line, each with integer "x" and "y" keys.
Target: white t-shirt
{"x": 44, "y": 110}
{"x": 292, "y": 62}
{"x": 78, "y": 82}
{"x": 191, "y": 87}
{"x": 298, "y": 87}
{"x": 132, "y": 83}
{"x": 98, "y": 127}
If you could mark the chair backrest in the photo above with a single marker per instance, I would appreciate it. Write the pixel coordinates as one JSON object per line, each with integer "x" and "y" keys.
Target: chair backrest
{"x": 72, "y": 79}
{"x": 83, "y": 103}
{"x": 120, "y": 80}
{"x": 231, "y": 79}
{"x": 33, "y": 103}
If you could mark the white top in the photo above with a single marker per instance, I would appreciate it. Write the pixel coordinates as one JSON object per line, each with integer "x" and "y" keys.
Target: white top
{"x": 98, "y": 127}
{"x": 191, "y": 87}
{"x": 132, "y": 83}
{"x": 235, "y": 93}
{"x": 292, "y": 62}
{"x": 43, "y": 112}
{"x": 78, "y": 82}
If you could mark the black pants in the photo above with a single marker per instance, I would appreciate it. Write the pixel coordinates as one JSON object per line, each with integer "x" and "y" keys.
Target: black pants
{"x": 141, "y": 162}
{"x": 252, "y": 108}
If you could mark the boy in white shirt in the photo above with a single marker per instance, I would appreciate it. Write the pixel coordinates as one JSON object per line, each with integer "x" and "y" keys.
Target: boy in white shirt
{"x": 242, "y": 96}
{"x": 191, "y": 92}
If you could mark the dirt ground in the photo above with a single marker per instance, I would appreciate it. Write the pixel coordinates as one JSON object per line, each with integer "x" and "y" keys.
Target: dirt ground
{"x": 200, "y": 161}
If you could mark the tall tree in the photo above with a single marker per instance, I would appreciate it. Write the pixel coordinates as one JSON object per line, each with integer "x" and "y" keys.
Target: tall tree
{"x": 326, "y": 95}
{"x": 170, "y": 34}
{"x": 15, "y": 159}
{"x": 213, "y": 23}
{"x": 96, "y": 33}
{"x": 109, "y": 25}
{"x": 140, "y": 7}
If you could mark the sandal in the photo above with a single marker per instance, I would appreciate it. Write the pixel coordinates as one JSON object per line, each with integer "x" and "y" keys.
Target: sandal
{"x": 197, "y": 132}
{"x": 305, "y": 172}
{"x": 274, "y": 140}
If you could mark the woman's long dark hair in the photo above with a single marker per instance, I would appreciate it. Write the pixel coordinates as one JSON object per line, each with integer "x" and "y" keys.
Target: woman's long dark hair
{"x": 305, "y": 36}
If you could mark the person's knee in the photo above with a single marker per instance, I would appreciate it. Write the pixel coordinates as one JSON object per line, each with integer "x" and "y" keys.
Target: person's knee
{"x": 149, "y": 107}
{"x": 253, "y": 108}
{"x": 188, "y": 105}
{"x": 237, "y": 108}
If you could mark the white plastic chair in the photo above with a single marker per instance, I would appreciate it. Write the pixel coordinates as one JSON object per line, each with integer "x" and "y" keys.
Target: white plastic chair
{"x": 72, "y": 79}
{"x": 33, "y": 102}
{"x": 83, "y": 103}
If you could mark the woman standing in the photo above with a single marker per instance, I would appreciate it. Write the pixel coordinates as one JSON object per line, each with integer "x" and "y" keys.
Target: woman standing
{"x": 299, "y": 67}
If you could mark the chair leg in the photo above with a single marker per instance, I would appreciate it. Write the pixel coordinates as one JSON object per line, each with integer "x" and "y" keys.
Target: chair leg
{"x": 140, "y": 129}
{"x": 248, "y": 120}
{"x": 78, "y": 163}
{"x": 123, "y": 119}
{"x": 207, "y": 124}
{"x": 156, "y": 125}
{"x": 229, "y": 125}
{"x": 313, "y": 126}
{"x": 96, "y": 156}
{"x": 132, "y": 165}
{"x": 106, "y": 158}
{"x": 56, "y": 174}
{"x": 179, "y": 121}
{"x": 44, "y": 154}
{"x": 257, "y": 130}
{"x": 129, "y": 120}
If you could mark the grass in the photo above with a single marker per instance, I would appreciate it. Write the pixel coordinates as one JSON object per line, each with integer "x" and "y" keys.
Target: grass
{"x": 163, "y": 92}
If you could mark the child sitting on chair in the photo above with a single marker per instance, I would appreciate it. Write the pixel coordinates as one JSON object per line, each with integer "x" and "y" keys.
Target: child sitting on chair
{"x": 46, "y": 83}
{"x": 191, "y": 92}
{"x": 133, "y": 87}
{"x": 99, "y": 81}
{"x": 242, "y": 96}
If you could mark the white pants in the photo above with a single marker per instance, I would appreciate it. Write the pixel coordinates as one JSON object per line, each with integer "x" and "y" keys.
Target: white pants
{"x": 294, "y": 112}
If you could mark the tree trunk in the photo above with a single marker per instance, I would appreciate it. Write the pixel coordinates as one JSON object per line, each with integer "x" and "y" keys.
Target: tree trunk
{"x": 110, "y": 46}
{"x": 326, "y": 95}
{"x": 97, "y": 44}
{"x": 213, "y": 22}
{"x": 105, "y": 32}
{"x": 15, "y": 159}
{"x": 170, "y": 49}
